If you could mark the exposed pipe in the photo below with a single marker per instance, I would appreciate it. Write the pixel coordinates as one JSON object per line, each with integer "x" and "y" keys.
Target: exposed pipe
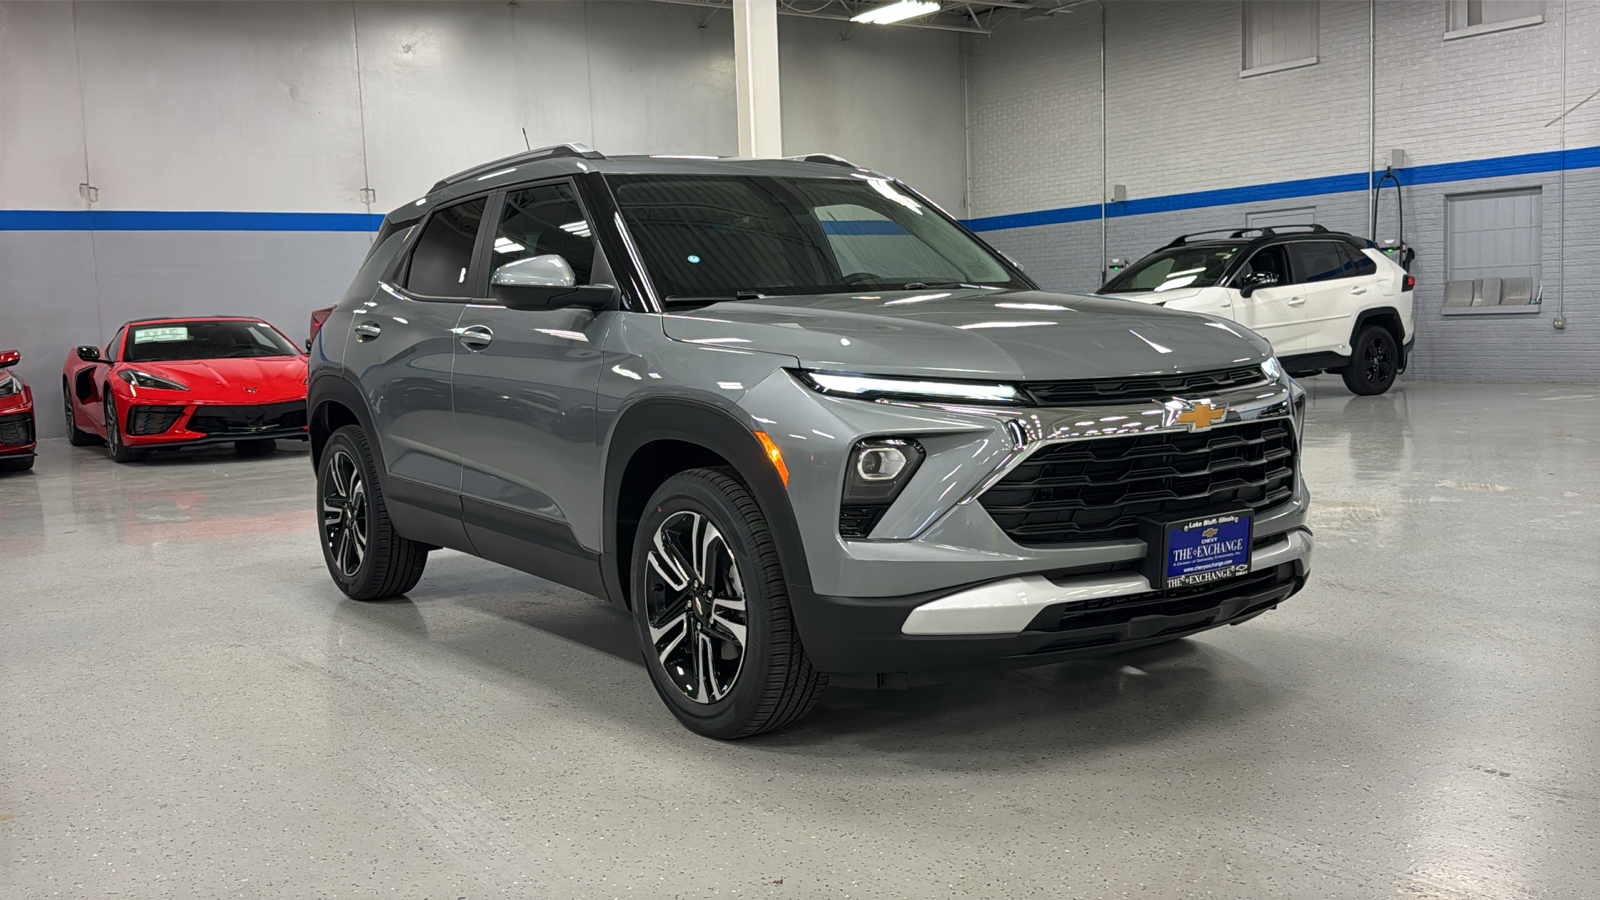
{"x": 1372, "y": 116}
{"x": 1105, "y": 172}
{"x": 1560, "y": 320}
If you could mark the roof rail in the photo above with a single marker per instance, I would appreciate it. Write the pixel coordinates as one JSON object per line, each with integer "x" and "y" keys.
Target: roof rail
{"x": 824, "y": 158}
{"x": 575, "y": 150}
{"x": 1182, "y": 239}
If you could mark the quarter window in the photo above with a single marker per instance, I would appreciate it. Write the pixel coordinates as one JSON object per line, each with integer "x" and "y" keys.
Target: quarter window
{"x": 442, "y": 261}
{"x": 1358, "y": 264}
{"x": 543, "y": 220}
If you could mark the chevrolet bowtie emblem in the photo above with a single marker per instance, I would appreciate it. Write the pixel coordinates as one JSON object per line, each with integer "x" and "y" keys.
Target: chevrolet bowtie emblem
{"x": 1199, "y": 415}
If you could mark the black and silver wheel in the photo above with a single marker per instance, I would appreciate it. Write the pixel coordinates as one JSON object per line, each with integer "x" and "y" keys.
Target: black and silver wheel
{"x": 75, "y": 436}
{"x": 712, "y": 610}
{"x": 116, "y": 447}
{"x": 254, "y": 448}
{"x": 1374, "y": 361}
{"x": 365, "y": 556}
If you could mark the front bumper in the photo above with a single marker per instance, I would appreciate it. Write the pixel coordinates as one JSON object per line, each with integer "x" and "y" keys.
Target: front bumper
{"x": 151, "y": 424}
{"x": 1033, "y": 620}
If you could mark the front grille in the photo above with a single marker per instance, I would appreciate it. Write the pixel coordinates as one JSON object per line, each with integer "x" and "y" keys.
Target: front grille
{"x": 1098, "y": 490}
{"x": 1124, "y": 390}
{"x": 152, "y": 419}
{"x": 16, "y": 429}
{"x": 248, "y": 419}
{"x": 1261, "y": 588}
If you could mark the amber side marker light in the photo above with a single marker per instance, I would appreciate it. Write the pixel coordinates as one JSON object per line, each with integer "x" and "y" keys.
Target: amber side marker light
{"x": 776, "y": 456}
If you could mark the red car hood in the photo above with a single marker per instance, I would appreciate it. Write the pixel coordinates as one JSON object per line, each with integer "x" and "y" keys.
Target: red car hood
{"x": 269, "y": 379}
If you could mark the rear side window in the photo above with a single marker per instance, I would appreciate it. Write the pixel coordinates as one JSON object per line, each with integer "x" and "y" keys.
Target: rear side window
{"x": 544, "y": 220}
{"x": 443, "y": 258}
{"x": 1358, "y": 264}
{"x": 1318, "y": 260}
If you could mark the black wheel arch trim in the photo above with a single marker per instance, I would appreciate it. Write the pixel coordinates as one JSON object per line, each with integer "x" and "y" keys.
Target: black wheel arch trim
{"x": 338, "y": 387}
{"x": 1401, "y": 339}
{"x": 719, "y": 431}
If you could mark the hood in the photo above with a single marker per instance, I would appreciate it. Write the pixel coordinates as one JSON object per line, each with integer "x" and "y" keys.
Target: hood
{"x": 1153, "y": 297}
{"x": 1006, "y": 335}
{"x": 272, "y": 378}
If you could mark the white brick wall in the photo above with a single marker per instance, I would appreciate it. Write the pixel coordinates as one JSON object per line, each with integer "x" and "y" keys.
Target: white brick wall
{"x": 1181, "y": 119}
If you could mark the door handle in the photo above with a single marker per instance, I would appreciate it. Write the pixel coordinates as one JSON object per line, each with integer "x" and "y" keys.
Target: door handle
{"x": 1297, "y": 301}
{"x": 475, "y": 337}
{"x": 1358, "y": 289}
{"x": 366, "y": 331}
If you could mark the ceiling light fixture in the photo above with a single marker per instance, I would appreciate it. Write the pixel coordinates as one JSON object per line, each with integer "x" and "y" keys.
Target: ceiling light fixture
{"x": 896, "y": 12}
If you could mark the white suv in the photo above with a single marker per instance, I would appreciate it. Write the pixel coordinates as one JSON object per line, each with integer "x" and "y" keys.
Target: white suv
{"x": 1328, "y": 301}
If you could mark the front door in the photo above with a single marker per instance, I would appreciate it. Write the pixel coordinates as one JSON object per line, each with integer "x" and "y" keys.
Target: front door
{"x": 1278, "y": 312}
{"x": 1338, "y": 281}
{"x": 525, "y": 387}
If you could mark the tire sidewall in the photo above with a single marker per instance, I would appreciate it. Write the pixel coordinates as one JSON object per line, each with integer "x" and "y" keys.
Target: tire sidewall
{"x": 344, "y": 440}
{"x": 724, "y": 717}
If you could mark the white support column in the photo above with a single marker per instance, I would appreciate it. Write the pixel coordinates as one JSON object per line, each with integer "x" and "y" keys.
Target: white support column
{"x": 755, "y": 59}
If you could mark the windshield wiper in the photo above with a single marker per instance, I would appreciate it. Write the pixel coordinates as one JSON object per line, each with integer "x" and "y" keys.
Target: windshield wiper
{"x": 923, "y": 286}
{"x": 736, "y": 295}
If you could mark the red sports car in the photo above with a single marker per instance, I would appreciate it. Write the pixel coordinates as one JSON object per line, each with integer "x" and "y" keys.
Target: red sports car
{"x": 176, "y": 382}
{"x": 16, "y": 417}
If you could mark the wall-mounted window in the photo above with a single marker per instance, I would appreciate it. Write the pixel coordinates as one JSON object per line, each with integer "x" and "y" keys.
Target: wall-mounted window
{"x": 1492, "y": 252}
{"x": 1470, "y": 17}
{"x": 1278, "y": 35}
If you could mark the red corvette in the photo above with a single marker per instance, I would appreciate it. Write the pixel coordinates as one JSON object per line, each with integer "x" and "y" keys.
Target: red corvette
{"x": 16, "y": 417}
{"x": 176, "y": 382}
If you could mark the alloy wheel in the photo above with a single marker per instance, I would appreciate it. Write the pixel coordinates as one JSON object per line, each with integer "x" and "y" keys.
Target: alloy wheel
{"x": 1378, "y": 360}
{"x": 696, "y": 607}
{"x": 113, "y": 428}
{"x": 344, "y": 513}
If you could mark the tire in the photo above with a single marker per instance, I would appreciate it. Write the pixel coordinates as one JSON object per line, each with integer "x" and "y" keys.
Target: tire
{"x": 745, "y": 671}
{"x": 366, "y": 557}
{"x": 115, "y": 447}
{"x": 75, "y": 437}
{"x": 256, "y": 448}
{"x": 16, "y": 465}
{"x": 1374, "y": 362}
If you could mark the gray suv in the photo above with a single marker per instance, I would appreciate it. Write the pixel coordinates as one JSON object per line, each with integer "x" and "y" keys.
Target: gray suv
{"x": 799, "y": 422}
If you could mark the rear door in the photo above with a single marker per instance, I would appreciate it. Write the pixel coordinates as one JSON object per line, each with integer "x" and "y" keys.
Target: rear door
{"x": 1277, "y": 313}
{"x": 525, "y": 388}
{"x": 1338, "y": 282}
{"x": 402, "y": 347}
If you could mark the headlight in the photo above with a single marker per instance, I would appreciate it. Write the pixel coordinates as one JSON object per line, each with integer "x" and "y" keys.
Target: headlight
{"x": 1272, "y": 368}
{"x": 871, "y": 387}
{"x": 146, "y": 380}
{"x": 879, "y": 469}
{"x": 9, "y": 385}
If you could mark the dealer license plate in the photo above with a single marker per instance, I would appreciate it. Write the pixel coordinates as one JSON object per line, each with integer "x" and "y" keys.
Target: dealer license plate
{"x": 1207, "y": 549}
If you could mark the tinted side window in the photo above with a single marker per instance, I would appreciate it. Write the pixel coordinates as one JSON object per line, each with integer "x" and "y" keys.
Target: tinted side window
{"x": 440, "y": 264}
{"x": 1359, "y": 264}
{"x": 542, "y": 220}
{"x": 1318, "y": 260}
{"x": 114, "y": 349}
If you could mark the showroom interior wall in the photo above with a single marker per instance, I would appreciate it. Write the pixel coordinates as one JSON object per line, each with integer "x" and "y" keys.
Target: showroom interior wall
{"x": 1199, "y": 145}
{"x": 229, "y": 143}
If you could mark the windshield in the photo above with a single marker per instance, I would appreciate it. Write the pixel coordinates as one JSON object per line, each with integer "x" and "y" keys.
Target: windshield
{"x": 228, "y": 339}
{"x": 737, "y": 237}
{"x": 1167, "y": 270}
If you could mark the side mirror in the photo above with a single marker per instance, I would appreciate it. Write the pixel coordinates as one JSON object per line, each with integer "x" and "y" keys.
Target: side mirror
{"x": 546, "y": 282}
{"x": 1256, "y": 280}
{"x": 89, "y": 354}
{"x": 9, "y": 358}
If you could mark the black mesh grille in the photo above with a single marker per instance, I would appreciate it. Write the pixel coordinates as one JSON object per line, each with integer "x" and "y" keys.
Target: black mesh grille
{"x": 857, "y": 521}
{"x": 1268, "y": 585}
{"x": 1123, "y": 390}
{"x": 248, "y": 419}
{"x": 1100, "y": 489}
{"x": 152, "y": 419}
{"x": 16, "y": 429}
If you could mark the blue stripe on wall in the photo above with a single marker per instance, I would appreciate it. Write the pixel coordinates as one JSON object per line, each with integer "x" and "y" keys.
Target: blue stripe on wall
{"x": 1529, "y": 163}
{"x": 141, "y": 220}
{"x": 861, "y": 226}
{"x": 1501, "y": 166}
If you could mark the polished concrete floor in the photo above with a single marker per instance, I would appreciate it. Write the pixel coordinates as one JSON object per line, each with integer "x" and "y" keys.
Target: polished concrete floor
{"x": 188, "y": 708}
